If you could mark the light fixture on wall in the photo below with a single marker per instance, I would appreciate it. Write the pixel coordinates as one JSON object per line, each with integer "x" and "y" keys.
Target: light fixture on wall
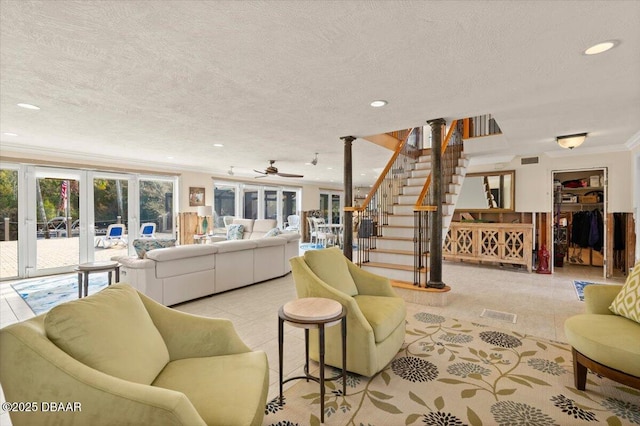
{"x": 571, "y": 141}
{"x": 230, "y": 171}
{"x": 203, "y": 212}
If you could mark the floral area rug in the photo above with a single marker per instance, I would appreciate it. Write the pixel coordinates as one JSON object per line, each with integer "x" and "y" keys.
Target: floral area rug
{"x": 42, "y": 294}
{"x": 450, "y": 372}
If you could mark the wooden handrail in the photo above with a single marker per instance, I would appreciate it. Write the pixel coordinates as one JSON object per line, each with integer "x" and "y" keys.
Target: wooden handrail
{"x": 375, "y": 187}
{"x": 443, "y": 148}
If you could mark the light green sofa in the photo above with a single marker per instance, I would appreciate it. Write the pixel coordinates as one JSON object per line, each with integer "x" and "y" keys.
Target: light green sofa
{"x": 376, "y": 316}
{"x": 605, "y": 343}
{"x": 124, "y": 359}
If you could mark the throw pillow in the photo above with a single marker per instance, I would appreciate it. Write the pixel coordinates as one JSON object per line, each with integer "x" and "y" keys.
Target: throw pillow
{"x": 143, "y": 245}
{"x": 627, "y": 302}
{"x": 235, "y": 232}
{"x": 272, "y": 233}
{"x": 112, "y": 332}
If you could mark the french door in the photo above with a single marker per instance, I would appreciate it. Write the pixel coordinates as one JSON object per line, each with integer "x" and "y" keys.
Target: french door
{"x": 67, "y": 211}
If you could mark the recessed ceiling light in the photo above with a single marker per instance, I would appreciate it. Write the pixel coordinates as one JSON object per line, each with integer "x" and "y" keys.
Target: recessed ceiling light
{"x": 362, "y": 174}
{"x": 379, "y": 103}
{"x": 329, "y": 168}
{"x": 307, "y": 164}
{"x": 27, "y": 106}
{"x": 601, "y": 47}
{"x": 10, "y": 134}
{"x": 218, "y": 145}
{"x": 169, "y": 158}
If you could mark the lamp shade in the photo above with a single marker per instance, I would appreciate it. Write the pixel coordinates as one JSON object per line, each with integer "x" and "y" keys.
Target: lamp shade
{"x": 204, "y": 211}
{"x": 571, "y": 141}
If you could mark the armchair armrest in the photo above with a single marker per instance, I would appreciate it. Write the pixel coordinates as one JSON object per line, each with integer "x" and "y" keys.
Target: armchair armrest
{"x": 598, "y": 297}
{"x": 192, "y": 336}
{"x": 308, "y": 284}
{"x": 370, "y": 284}
{"x": 28, "y": 356}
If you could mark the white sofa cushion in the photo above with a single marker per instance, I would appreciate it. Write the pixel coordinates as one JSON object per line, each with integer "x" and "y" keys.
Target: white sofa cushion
{"x": 261, "y": 227}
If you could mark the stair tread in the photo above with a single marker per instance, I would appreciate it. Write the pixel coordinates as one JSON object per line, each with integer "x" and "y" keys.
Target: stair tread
{"x": 392, "y": 251}
{"x": 389, "y": 266}
{"x": 397, "y": 238}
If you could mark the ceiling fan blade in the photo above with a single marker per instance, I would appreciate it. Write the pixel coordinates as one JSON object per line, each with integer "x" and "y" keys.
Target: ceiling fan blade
{"x": 258, "y": 171}
{"x": 264, "y": 175}
{"x": 289, "y": 175}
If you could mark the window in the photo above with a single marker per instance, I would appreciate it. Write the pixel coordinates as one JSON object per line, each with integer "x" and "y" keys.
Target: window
{"x": 224, "y": 203}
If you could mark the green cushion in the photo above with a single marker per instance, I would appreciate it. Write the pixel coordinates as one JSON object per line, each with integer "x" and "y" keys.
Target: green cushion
{"x": 225, "y": 390}
{"x": 331, "y": 266}
{"x": 384, "y": 314}
{"x": 608, "y": 339}
{"x": 627, "y": 302}
{"x": 110, "y": 331}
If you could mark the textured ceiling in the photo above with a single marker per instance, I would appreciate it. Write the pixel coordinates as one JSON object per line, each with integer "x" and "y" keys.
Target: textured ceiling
{"x": 133, "y": 82}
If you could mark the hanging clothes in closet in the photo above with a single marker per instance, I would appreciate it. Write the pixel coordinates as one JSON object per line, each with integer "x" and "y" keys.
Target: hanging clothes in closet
{"x": 587, "y": 229}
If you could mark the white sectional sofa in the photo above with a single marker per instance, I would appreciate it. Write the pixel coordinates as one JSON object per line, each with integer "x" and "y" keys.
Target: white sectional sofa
{"x": 178, "y": 274}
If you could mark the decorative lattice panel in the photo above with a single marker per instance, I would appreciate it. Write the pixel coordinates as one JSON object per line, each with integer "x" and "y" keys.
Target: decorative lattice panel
{"x": 514, "y": 247}
{"x": 464, "y": 242}
{"x": 447, "y": 246}
{"x": 499, "y": 242}
{"x": 489, "y": 243}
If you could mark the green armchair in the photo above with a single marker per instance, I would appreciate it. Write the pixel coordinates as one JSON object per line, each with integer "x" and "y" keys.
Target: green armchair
{"x": 375, "y": 314}
{"x": 603, "y": 342}
{"x": 118, "y": 357}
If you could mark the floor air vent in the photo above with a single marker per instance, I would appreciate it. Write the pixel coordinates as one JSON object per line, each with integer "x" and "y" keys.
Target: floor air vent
{"x": 502, "y": 316}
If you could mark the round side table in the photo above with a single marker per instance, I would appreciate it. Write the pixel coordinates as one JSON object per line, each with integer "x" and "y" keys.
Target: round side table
{"x": 311, "y": 313}
{"x": 84, "y": 269}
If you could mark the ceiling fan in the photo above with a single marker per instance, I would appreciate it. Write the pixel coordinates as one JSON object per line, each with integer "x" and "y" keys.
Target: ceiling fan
{"x": 272, "y": 170}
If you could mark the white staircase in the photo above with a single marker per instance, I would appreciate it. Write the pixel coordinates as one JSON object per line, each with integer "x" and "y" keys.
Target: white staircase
{"x": 393, "y": 255}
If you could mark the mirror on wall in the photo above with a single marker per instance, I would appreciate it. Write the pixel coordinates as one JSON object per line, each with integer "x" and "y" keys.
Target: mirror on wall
{"x": 489, "y": 191}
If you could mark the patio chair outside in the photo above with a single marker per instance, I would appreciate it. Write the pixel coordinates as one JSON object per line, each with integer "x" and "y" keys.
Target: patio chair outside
{"x": 115, "y": 235}
{"x": 293, "y": 223}
{"x": 148, "y": 230}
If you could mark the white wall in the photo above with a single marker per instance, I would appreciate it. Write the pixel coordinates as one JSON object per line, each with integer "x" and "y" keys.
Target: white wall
{"x": 534, "y": 182}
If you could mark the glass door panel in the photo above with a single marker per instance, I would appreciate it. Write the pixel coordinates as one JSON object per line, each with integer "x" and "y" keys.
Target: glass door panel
{"x": 9, "y": 225}
{"x": 250, "y": 197}
{"x": 270, "y": 204}
{"x": 57, "y": 221}
{"x": 224, "y": 203}
{"x": 336, "y": 211}
{"x": 156, "y": 206}
{"x": 110, "y": 207}
{"x": 324, "y": 207}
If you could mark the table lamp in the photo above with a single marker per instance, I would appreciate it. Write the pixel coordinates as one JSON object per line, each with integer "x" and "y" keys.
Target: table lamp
{"x": 203, "y": 212}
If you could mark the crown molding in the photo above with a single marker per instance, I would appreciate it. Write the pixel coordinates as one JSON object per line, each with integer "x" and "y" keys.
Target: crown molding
{"x": 634, "y": 141}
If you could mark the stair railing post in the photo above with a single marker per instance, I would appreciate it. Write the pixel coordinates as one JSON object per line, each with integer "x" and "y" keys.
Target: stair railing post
{"x": 347, "y": 249}
{"x": 435, "y": 246}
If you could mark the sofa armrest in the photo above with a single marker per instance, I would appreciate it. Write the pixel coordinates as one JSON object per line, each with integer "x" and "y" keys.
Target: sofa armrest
{"x": 134, "y": 262}
{"x": 370, "y": 284}
{"x": 28, "y": 356}
{"x": 598, "y": 297}
{"x": 192, "y": 336}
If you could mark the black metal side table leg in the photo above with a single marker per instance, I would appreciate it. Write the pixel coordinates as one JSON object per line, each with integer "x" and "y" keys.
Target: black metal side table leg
{"x": 321, "y": 349}
{"x": 280, "y": 352}
{"x": 79, "y": 285}
{"x": 344, "y": 356}
{"x": 86, "y": 283}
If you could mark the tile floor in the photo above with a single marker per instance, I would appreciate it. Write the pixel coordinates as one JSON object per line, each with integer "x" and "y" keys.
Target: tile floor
{"x": 541, "y": 303}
